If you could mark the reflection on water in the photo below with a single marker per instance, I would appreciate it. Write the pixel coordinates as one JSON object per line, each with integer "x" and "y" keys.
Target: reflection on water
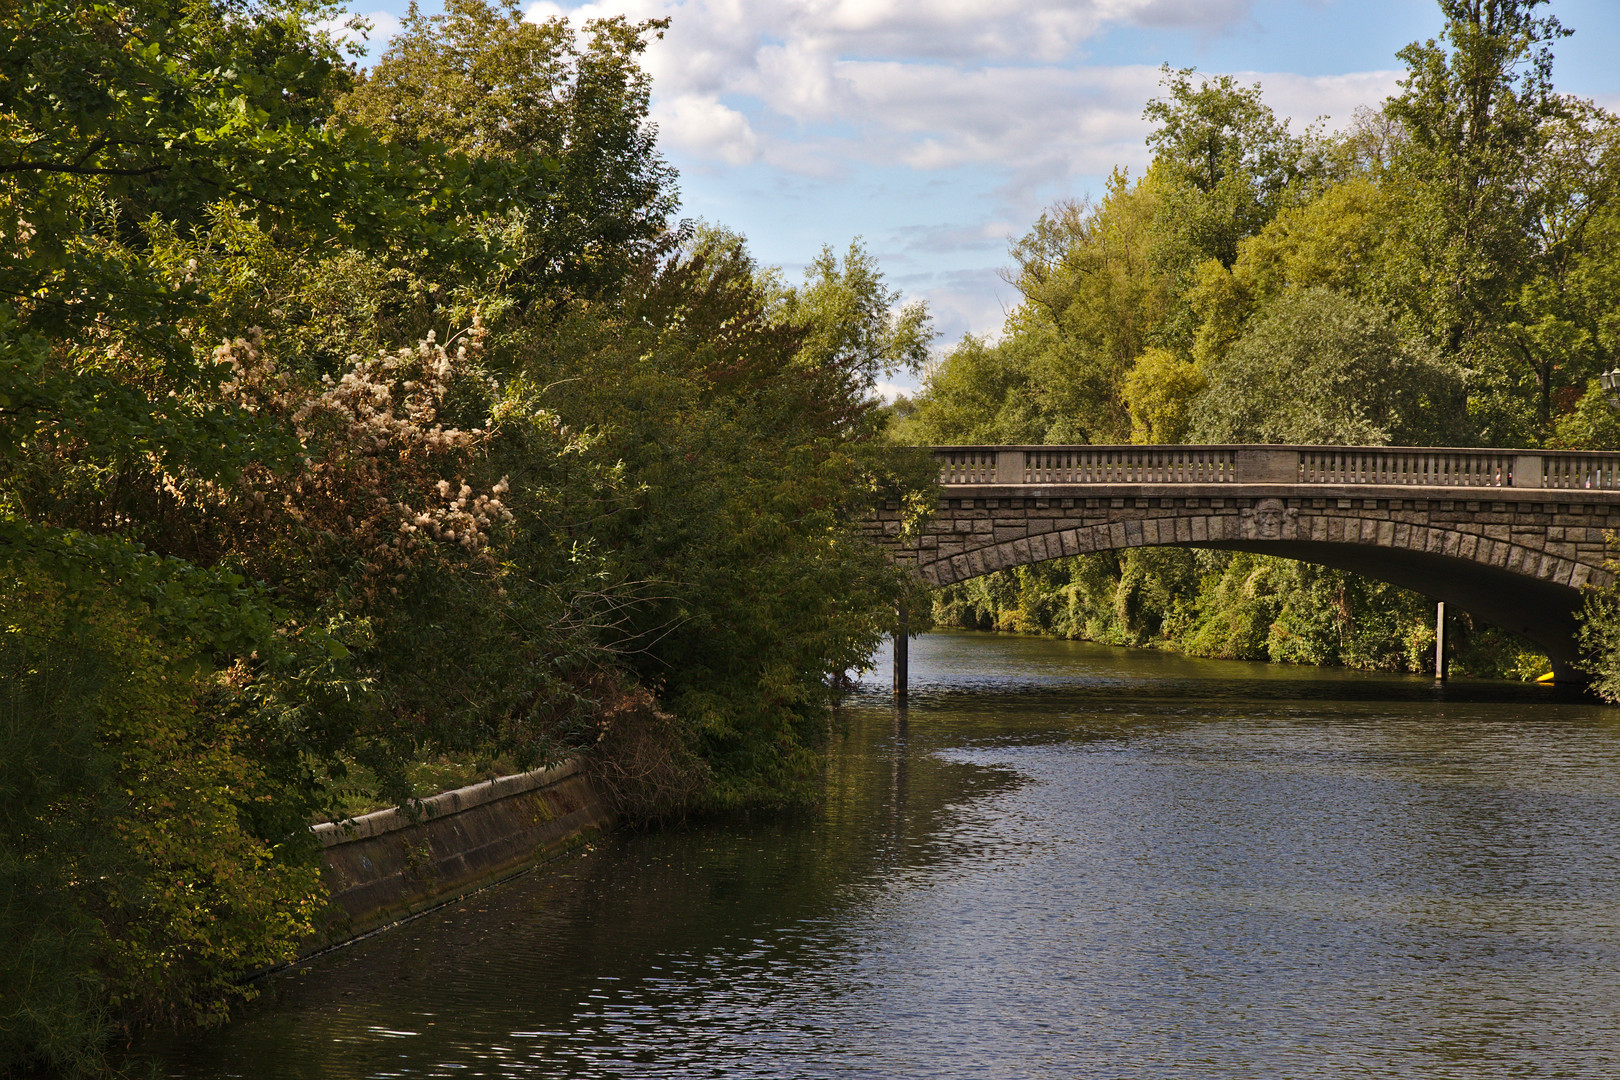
{"x": 1066, "y": 861}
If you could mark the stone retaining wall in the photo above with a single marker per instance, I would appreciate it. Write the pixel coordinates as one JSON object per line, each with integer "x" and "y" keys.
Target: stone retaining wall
{"x": 384, "y": 867}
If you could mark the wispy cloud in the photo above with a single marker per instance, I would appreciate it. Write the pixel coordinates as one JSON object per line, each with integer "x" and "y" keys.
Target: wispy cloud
{"x": 802, "y": 84}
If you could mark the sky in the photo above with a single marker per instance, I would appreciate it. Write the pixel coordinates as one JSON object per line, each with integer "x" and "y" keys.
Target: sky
{"x": 936, "y": 131}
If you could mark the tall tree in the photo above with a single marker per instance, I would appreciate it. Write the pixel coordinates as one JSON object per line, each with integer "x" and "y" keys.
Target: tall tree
{"x": 556, "y": 128}
{"x": 1231, "y": 157}
{"x": 1475, "y": 109}
{"x": 1095, "y": 296}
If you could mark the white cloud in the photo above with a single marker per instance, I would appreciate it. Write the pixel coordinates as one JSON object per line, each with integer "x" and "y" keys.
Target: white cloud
{"x": 1204, "y": 14}
{"x": 384, "y": 25}
{"x": 888, "y": 391}
{"x": 949, "y": 239}
{"x": 1303, "y": 98}
{"x": 972, "y": 300}
{"x": 927, "y": 84}
{"x": 826, "y": 90}
{"x": 704, "y": 126}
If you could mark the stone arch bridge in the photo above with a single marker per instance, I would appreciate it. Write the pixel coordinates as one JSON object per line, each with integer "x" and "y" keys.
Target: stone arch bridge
{"x": 1511, "y": 536}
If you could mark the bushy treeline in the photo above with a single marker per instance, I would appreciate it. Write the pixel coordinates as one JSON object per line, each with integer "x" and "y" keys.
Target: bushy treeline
{"x": 349, "y": 419}
{"x": 1443, "y": 272}
{"x": 1232, "y": 606}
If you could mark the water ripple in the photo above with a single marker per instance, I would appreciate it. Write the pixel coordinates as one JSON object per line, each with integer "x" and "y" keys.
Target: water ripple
{"x": 1067, "y": 862}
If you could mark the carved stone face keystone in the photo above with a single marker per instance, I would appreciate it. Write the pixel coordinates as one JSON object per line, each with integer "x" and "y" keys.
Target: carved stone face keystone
{"x": 1270, "y": 520}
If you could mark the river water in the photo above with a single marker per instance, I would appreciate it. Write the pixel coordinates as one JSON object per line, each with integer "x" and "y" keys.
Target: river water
{"x": 1066, "y": 861}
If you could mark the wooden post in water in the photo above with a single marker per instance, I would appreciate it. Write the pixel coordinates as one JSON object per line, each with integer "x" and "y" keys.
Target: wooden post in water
{"x": 1440, "y": 641}
{"x": 902, "y": 640}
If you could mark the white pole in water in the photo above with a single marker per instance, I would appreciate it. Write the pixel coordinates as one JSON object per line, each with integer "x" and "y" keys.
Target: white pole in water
{"x": 901, "y": 644}
{"x": 1440, "y": 641}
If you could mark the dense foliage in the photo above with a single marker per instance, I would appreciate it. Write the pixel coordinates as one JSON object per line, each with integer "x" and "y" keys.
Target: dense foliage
{"x": 1439, "y": 273}
{"x": 348, "y": 420}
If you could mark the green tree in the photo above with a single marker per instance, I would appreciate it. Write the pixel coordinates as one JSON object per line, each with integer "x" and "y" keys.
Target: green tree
{"x": 979, "y": 393}
{"x": 855, "y": 321}
{"x": 1318, "y": 366}
{"x": 557, "y": 131}
{"x": 1477, "y": 113}
{"x": 1159, "y": 392}
{"x": 1227, "y": 159}
{"x": 113, "y": 115}
{"x": 1557, "y": 324}
{"x": 737, "y": 412}
{"x": 1094, "y": 300}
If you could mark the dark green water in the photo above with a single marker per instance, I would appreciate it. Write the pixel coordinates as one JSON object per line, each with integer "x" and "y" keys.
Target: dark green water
{"x": 1068, "y": 861}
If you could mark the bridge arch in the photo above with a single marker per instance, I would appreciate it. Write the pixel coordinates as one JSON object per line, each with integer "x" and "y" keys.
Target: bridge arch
{"x": 1510, "y": 536}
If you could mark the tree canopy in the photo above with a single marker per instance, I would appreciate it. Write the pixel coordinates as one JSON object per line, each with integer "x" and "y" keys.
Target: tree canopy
{"x": 356, "y": 422}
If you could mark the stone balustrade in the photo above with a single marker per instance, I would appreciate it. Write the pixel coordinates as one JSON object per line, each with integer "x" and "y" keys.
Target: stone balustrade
{"x": 1376, "y": 466}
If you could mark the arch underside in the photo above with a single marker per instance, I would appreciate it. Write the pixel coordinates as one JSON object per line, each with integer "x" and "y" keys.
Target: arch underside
{"x": 1528, "y": 592}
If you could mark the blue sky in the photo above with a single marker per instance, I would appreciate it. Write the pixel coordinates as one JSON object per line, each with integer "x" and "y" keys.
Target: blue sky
{"x": 937, "y": 132}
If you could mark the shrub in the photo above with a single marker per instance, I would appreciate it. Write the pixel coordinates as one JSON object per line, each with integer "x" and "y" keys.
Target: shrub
{"x": 132, "y": 889}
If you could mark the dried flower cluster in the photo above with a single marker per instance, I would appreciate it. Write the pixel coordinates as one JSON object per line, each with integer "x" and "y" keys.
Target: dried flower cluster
{"x": 376, "y": 454}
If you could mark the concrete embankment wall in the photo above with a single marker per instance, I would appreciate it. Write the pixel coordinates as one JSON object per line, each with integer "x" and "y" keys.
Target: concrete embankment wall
{"x": 384, "y": 867}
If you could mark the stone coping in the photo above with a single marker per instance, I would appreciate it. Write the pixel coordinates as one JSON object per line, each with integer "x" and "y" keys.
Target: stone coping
{"x": 382, "y": 822}
{"x": 1336, "y": 448}
{"x": 1292, "y": 491}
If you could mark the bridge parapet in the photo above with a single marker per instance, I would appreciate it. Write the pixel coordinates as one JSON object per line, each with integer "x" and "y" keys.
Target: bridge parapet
{"x": 1374, "y": 466}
